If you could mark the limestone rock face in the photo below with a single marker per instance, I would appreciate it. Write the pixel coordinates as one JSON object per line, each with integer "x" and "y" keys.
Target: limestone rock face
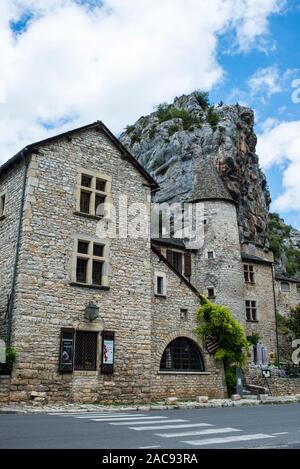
{"x": 174, "y": 140}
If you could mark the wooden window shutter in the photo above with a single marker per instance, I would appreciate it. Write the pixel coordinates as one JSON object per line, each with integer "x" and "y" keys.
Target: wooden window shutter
{"x": 170, "y": 256}
{"x": 187, "y": 264}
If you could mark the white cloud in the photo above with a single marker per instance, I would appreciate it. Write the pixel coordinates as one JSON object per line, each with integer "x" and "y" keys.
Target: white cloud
{"x": 266, "y": 80}
{"x": 114, "y": 63}
{"x": 279, "y": 144}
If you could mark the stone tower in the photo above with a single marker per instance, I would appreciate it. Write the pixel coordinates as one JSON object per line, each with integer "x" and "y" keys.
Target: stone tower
{"x": 218, "y": 267}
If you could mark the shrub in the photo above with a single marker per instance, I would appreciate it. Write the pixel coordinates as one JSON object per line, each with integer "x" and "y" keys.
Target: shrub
{"x": 167, "y": 112}
{"x": 129, "y": 129}
{"x": 202, "y": 98}
{"x": 212, "y": 118}
{"x": 6, "y": 368}
{"x": 233, "y": 345}
{"x": 152, "y": 132}
{"x": 135, "y": 139}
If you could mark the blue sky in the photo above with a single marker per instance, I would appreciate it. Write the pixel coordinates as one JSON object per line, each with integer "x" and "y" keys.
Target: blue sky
{"x": 66, "y": 63}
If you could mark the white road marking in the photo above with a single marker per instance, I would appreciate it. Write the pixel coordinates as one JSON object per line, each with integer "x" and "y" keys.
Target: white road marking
{"x": 151, "y": 422}
{"x": 227, "y": 439}
{"x": 112, "y": 416}
{"x": 81, "y": 414}
{"x": 114, "y": 419}
{"x": 164, "y": 427}
{"x": 280, "y": 433}
{"x": 148, "y": 447}
{"x": 210, "y": 431}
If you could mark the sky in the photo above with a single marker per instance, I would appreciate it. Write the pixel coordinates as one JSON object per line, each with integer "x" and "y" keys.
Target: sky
{"x": 67, "y": 63}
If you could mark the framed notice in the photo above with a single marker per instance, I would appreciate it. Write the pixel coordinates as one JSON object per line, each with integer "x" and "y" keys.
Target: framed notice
{"x": 108, "y": 352}
{"x": 66, "y": 358}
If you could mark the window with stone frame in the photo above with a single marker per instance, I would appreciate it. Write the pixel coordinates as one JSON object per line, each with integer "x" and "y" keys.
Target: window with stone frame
{"x": 249, "y": 274}
{"x": 2, "y": 204}
{"x": 90, "y": 263}
{"x": 251, "y": 310}
{"x": 211, "y": 255}
{"x": 160, "y": 284}
{"x": 285, "y": 286}
{"x": 211, "y": 293}
{"x": 93, "y": 193}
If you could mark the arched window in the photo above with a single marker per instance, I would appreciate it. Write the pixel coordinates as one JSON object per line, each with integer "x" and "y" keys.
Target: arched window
{"x": 182, "y": 355}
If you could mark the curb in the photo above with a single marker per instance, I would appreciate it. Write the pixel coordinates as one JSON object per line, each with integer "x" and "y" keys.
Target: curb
{"x": 213, "y": 403}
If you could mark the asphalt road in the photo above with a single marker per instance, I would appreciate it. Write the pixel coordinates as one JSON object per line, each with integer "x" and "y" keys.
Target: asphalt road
{"x": 267, "y": 426}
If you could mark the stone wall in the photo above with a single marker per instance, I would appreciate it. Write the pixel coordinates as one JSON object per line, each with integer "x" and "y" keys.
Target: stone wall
{"x": 46, "y": 300}
{"x": 224, "y": 272}
{"x": 4, "y": 389}
{"x": 287, "y": 300}
{"x": 11, "y": 184}
{"x": 279, "y": 385}
{"x": 167, "y": 325}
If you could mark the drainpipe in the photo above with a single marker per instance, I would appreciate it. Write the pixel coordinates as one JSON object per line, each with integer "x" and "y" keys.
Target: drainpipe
{"x": 276, "y": 323}
{"x": 14, "y": 276}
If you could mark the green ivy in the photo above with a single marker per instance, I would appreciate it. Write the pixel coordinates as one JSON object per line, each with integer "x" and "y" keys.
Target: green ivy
{"x": 233, "y": 345}
{"x": 6, "y": 368}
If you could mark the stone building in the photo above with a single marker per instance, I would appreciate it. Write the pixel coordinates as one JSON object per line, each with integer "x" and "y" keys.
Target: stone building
{"x": 92, "y": 316}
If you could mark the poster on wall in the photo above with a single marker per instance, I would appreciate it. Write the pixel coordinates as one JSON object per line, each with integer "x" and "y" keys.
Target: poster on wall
{"x": 108, "y": 351}
{"x": 66, "y": 351}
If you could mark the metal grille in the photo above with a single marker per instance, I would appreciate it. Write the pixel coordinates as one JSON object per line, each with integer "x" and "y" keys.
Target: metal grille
{"x": 85, "y": 350}
{"x": 85, "y": 202}
{"x": 182, "y": 355}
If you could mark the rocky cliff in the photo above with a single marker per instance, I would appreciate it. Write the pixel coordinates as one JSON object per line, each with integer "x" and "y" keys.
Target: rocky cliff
{"x": 172, "y": 141}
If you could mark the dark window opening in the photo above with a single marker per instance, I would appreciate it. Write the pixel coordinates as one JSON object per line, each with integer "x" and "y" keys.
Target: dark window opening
{"x": 177, "y": 261}
{"x": 85, "y": 350}
{"x": 160, "y": 285}
{"x": 182, "y": 355}
{"x": 97, "y": 272}
{"x": 249, "y": 273}
{"x": 99, "y": 205}
{"x": 2, "y": 205}
{"x": 81, "y": 270}
{"x": 210, "y": 255}
{"x": 86, "y": 180}
{"x": 183, "y": 314}
{"x": 211, "y": 293}
{"x": 251, "y": 310}
{"x": 98, "y": 250}
{"x": 83, "y": 247}
{"x": 100, "y": 185}
{"x": 85, "y": 198}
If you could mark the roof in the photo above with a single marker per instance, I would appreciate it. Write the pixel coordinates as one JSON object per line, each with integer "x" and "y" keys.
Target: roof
{"x": 282, "y": 278}
{"x": 182, "y": 278}
{"x": 209, "y": 185}
{"x": 97, "y": 125}
{"x": 250, "y": 257}
{"x": 174, "y": 242}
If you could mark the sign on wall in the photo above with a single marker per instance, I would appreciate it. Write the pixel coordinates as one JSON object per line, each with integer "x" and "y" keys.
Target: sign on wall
{"x": 108, "y": 352}
{"x": 66, "y": 360}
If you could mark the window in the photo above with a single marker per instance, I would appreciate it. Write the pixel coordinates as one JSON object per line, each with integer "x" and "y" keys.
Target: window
{"x": 175, "y": 259}
{"x": 85, "y": 350}
{"x": 2, "y": 205}
{"x": 78, "y": 350}
{"x": 285, "y": 286}
{"x": 160, "y": 281}
{"x": 90, "y": 263}
{"x": 249, "y": 273}
{"x": 183, "y": 314}
{"x": 93, "y": 193}
{"x": 251, "y": 310}
{"x": 182, "y": 355}
{"x": 211, "y": 293}
{"x": 210, "y": 255}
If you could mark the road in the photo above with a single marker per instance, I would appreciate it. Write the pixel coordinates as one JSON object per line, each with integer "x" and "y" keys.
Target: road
{"x": 266, "y": 426}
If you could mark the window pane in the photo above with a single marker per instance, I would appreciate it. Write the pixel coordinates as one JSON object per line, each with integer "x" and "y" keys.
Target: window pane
{"x": 86, "y": 180}
{"x": 100, "y": 185}
{"x": 210, "y": 254}
{"x": 83, "y": 247}
{"x": 85, "y": 198}
{"x": 99, "y": 205}
{"x": 98, "y": 250}
{"x": 2, "y": 205}
{"x": 160, "y": 285}
{"x": 81, "y": 270}
{"x": 177, "y": 261}
{"x": 97, "y": 272}
{"x": 85, "y": 350}
{"x": 182, "y": 355}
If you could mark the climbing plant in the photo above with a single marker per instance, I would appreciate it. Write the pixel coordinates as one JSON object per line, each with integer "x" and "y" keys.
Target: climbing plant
{"x": 218, "y": 322}
{"x": 6, "y": 368}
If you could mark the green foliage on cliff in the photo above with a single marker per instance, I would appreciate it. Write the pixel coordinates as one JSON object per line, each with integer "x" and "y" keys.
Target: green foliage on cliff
{"x": 217, "y": 321}
{"x": 167, "y": 112}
